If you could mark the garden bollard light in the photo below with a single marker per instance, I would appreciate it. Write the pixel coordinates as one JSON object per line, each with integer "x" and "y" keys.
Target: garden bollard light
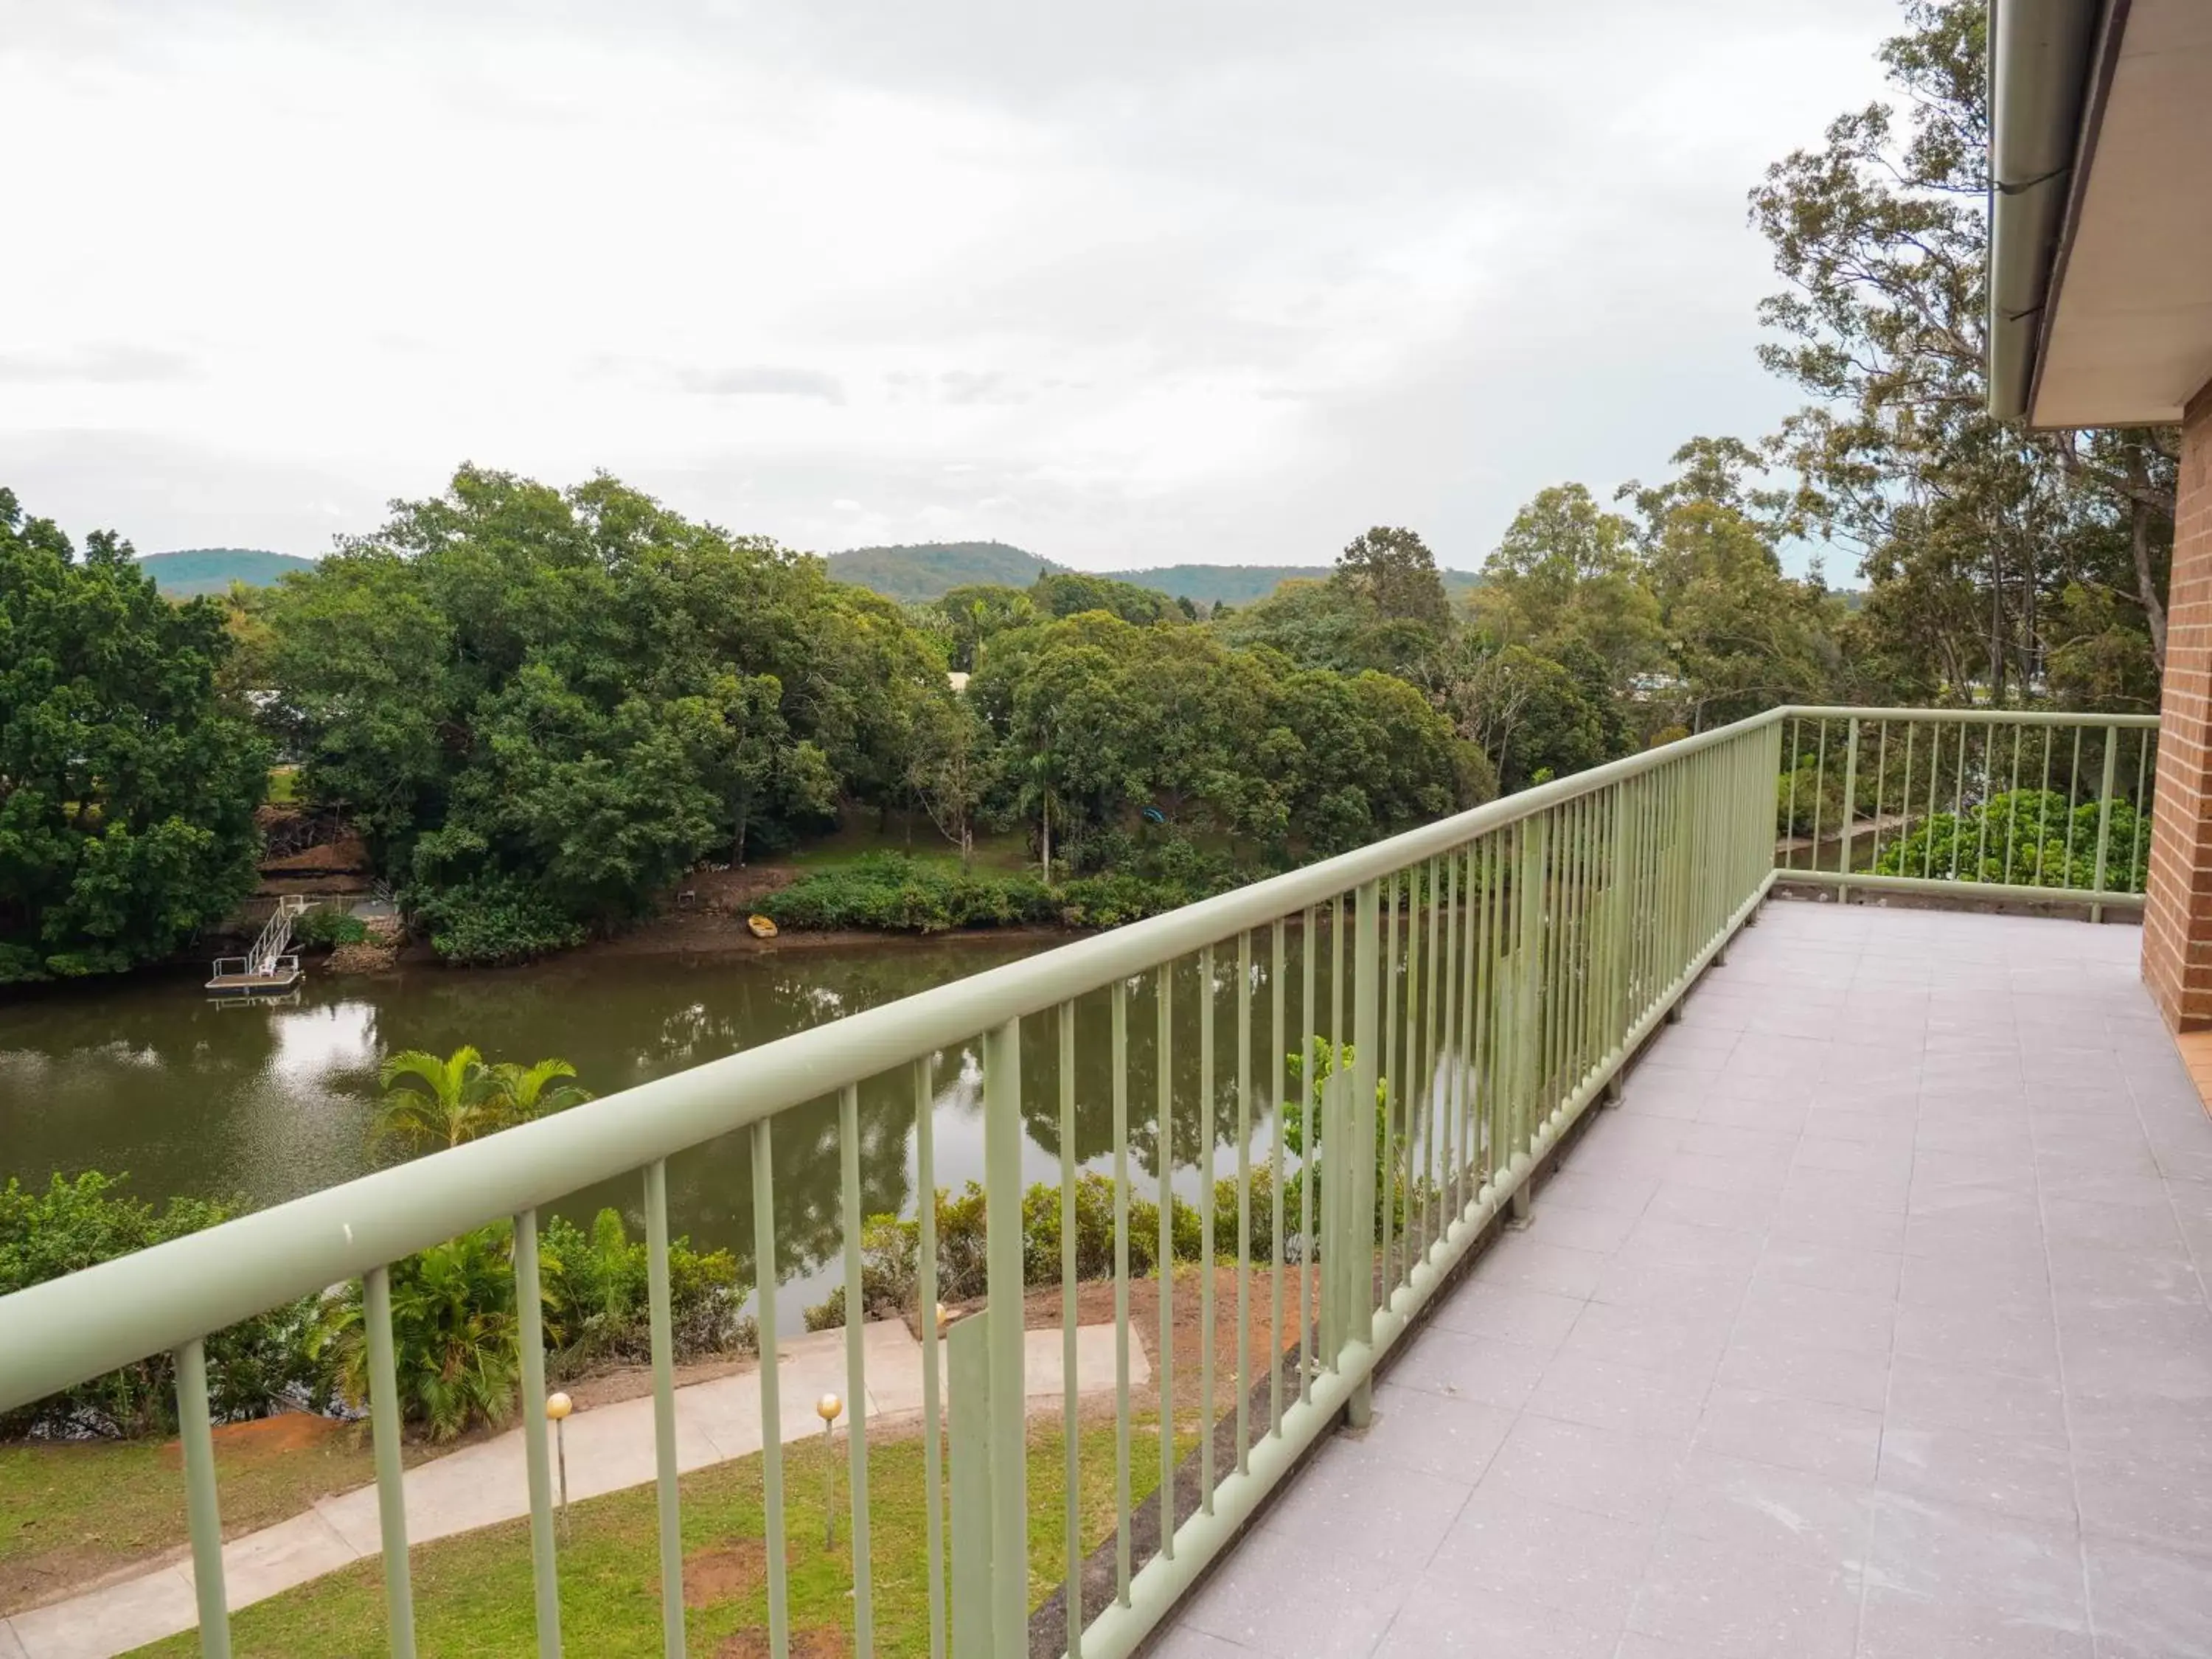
{"x": 827, "y": 1408}
{"x": 557, "y": 1407}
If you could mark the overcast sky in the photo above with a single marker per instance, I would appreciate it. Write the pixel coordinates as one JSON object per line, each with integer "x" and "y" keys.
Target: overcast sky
{"x": 1124, "y": 283}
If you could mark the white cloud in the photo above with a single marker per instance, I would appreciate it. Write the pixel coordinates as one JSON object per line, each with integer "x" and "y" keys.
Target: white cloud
{"x": 1128, "y": 284}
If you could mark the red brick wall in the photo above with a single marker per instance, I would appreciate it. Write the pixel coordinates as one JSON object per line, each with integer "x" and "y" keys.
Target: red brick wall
{"x": 2177, "y": 952}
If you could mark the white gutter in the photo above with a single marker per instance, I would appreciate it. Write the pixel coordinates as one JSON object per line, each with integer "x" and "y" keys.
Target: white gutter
{"x": 2039, "y": 53}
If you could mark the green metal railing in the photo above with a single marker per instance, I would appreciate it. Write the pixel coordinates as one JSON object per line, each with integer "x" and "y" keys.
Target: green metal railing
{"x": 2018, "y": 805}
{"x": 1481, "y": 980}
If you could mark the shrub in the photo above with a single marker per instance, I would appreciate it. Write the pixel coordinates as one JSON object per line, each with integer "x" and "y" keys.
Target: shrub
{"x": 493, "y": 921}
{"x": 253, "y": 1368}
{"x": 325, "y": 928}
{"x": 598, "y": 1305}
{"x": 892, "y": 893}
{"x": 2033, "y": 826}
{"x": 453, "y": 1334}
{"x": 891, "y": 1247}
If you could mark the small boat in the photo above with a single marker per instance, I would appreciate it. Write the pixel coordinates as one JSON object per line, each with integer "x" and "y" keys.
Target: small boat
{"x": 761, "y": 926}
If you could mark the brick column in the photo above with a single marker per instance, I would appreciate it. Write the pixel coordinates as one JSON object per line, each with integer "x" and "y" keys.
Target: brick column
{"x": 2177, "y": 950}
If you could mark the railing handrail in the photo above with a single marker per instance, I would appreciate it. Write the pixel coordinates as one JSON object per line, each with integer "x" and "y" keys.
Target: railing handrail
{"x": 1963, "y": 716}
{"x": 56, "y": 1333}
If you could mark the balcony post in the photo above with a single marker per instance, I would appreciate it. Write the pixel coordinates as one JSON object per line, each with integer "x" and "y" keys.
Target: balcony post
{"x": 1851, "y": 808}
{"x": 2105, "y": 818}
{"x": 1002, "y": 1213}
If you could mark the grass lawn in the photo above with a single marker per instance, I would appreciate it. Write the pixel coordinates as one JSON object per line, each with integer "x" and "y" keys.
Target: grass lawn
{"x": 1000, "y": 854}
{"x": 473, "y": 1594}
{"x": 71, "y": 1513}
{"x": 283, "y": 785}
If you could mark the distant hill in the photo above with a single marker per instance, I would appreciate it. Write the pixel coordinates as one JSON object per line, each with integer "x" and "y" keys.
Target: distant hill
{"x": 213, "y": 569}
{"x": 1219, "y": 583}
{"x": 928, "y": 570}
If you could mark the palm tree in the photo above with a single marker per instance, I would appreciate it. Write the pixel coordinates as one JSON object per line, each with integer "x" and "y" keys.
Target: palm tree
{"x": 522, "y": 1090}
{"x": 430, "y": 1103}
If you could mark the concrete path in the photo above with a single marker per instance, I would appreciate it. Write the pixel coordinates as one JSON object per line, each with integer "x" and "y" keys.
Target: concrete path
{"x": 609, "y": 1448}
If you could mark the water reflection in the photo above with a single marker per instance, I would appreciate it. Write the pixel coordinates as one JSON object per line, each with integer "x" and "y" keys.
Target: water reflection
{"x": 267, "y": 1104}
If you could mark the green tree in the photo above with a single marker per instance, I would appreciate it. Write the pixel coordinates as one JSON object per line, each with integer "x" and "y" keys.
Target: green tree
{"x": 127, "y": 785}
{"x": 541, "y": 706}
{"x": 1535, "y": 718}
{"x": 1738, "y": 634}
{"x": 1969, "y": 530}
{"x": 951, "y": 769}
{"x": 971, "y": 616}
{"x": 1393, "y": 569}
{"x": 1566, "y": 573}
{"x": 1318, "y": 624}
{"x": 1070, "y": 593}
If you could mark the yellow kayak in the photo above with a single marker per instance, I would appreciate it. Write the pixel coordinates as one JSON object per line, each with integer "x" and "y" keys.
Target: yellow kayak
{"x": 761, "y": 926}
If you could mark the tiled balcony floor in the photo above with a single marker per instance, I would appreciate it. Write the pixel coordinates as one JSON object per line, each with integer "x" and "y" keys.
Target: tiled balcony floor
{"x": 1873, "y": 1322}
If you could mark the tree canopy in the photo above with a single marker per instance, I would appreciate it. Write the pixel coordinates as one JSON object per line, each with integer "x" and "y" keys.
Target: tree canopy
{"x": 2021, "y": 563}
{"x": 127, "y": 786}
{"x": 539, "y": 707}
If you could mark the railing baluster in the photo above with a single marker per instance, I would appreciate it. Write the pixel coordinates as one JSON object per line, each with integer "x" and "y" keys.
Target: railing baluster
{"x": 1935, "y": 779}
{"x": 1332, "y": 1189}
{"x": 1989, "y": 777}
{"x": 2043, "y": 809}
{"x": 1361, "y": 1190}
{"x": 1789, "y": 823}
{"x": 1905, "y": 799}
{"x": 1850, "y": 804}
{"x": 391, "y": 1475}
{"x": 1277, "y": 1031}
{"x": 2073, "y": 793}
{"x": 1163, "y": 1058}
{"x": 764, "y": 1287}
{"x": 2135, "y": 883}
{"x": 661, "y": 1309}
{"x": 2105, "y": 816}
{"x": 1444, "y": 887}
{"x": 1203, "y": 1163}
{"x": 202, "y": 1509}
{"x": 2012, "y": 802}
{"x": 933, "y": 1419}
{"x": 1475, "y": 1127}
{"x": 1958, "y": 801}
{"x": 1243, "y": 1201}
{"x": 1585, "y": 917}
{"x": 1443, "y": 1100}
{"x": 1388, "y": 1062}
{"x": 1880, "y": 783}
{"x": 1309, "y": 1028}
{"x": 1820, "y": 790}
{"x": 1002, "y": 1221}
{"x": 1549, "y": 927}
{"x": 856, "y": 1368}
{"x": 1122, "y": 1476}
{"x": 1071, "y": 1476}
{"x": 529, "y": 1337}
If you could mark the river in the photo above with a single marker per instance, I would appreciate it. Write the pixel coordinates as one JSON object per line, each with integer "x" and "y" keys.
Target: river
{"x": 265, "y": 1103}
